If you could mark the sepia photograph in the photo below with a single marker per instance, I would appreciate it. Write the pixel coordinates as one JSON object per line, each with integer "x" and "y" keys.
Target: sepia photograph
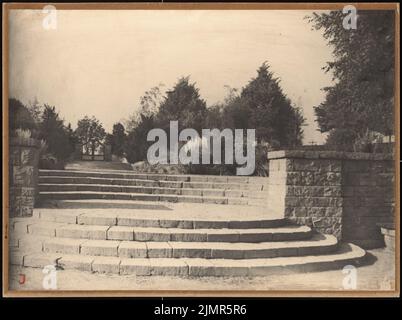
{"x": 201, "y": 149}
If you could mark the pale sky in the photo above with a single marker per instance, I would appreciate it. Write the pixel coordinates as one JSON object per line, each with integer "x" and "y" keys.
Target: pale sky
{"x": 100, "y": 62}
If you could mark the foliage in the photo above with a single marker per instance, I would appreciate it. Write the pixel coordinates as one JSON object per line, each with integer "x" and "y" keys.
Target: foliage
{"x": 55, "y": 133}
{"x": 50, "y": 162}
{"x": 35, "y": 109}
{"x": 366, "y": 142}
{"x": 270, "y": 111}
{"x": 90, "y": 133}
{"x": 20, "y": 117}
{"x": 149, "y": 106}
{"x": 362, "y": 97}
{"x": 23, "y": 133}
{"x": 182, "y": 104}
{"x": 136, "y": 144}
{"x": 117, "y": 139}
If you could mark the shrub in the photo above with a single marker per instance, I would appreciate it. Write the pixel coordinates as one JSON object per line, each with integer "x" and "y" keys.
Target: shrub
{"x": 366, "y": 142}
{"x": 20, "y": 117}
{"x": 22, "y": 133}
{"x": 48, "y": 161}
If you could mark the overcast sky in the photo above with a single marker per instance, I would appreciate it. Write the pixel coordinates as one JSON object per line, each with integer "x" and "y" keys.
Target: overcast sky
{"x": 100, "y": 62}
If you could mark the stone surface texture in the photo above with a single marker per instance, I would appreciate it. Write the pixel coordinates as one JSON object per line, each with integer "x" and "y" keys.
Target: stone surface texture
{"x": 338, "y": 193}
{"x": 23, "y": 176}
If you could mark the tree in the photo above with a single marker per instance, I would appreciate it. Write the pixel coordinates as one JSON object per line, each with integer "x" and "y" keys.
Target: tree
{"x": 182, "y": 104}
{"x": 362, "y": 97}
{"x": 71, "y": 135}
{"x": 263, "y": 106}
{"x": 118, "y": 139}
{"x": 36, "y": 109}
{"x": 90, "y": 133}
{"x": 141, "y": 122}
{"x": 56, "y": 135}
{"x": 20, "y": 117}
{"x": 136, "y": 144}
{"x": 149, "y": 106}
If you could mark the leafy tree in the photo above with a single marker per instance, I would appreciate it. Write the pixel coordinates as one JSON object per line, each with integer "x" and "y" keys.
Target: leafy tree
{"x": 136, "y": 144}
{"x": 118, "y": 139}
{"x": 71, "y": 135}
{"x": 36, "y": 109}
{"x": 141, "y": 122}
{"x": 149, "y": 106}
{"x": 182, "y": 104}
{"x": 214, "y": 116}
{"x": 90, "y": 133}
{"x": 56, "y": 135}
{"x": 362, "y": 97}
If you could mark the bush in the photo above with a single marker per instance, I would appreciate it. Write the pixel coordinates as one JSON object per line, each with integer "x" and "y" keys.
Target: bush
{"x": 22, "y": 133}
{"x": 261, "y": 160}
{"x": 48, "y": 161}
{"x": 366, "y": 142}
{"x": 20, "y": 118}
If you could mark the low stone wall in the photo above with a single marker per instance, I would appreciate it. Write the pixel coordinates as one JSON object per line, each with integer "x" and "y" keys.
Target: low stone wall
{"x": 23, "y": 176}
{"x": 339, "y": 193}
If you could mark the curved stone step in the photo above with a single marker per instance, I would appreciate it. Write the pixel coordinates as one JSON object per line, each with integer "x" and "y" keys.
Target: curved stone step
{"x": 346, "y": 254}
{"x": 150, "y": 183}
{"x": 95, "y": 232}
{"x": 68, "y": 187}
{"x": 122, "y": 174}
{"x": 223, "y": 235}
{"x": 135, "y": 219}
{"x": 318, "y": 244}
{"x": 83, "y": 195}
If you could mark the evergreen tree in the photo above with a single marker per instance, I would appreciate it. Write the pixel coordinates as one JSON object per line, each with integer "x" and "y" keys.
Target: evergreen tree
{"x": 136, "y": 144}
{"x": 182, "y": 104}
{"x": 362, "y": 97}
{"x": 20, "y": 117}
{"x": 118, "y": 139}
{"x": 263, "y": 106}
{"x": 56, "y": 135}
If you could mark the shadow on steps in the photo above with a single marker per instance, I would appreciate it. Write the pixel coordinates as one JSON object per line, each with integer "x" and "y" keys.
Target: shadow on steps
{"x": 66, "y": 204}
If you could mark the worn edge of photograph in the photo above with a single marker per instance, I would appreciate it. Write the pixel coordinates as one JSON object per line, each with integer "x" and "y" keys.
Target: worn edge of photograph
{"x": 33, "y": 168}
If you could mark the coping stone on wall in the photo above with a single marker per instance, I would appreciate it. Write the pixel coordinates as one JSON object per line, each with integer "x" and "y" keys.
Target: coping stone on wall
{"x": 335, "y": 155}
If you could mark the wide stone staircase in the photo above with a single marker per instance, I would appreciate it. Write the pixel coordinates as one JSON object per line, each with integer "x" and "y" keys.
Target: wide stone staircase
{"x": 126, "y": 185}
{"x": 107, "y": 236}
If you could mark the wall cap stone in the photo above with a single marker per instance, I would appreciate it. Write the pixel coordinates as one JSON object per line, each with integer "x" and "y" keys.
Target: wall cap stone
{"x": 334, "y": 155}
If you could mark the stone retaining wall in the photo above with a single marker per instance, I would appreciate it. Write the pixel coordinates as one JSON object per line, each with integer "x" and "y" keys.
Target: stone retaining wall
{"x": 23, "y": 176}
{"x": 339, "y": 193}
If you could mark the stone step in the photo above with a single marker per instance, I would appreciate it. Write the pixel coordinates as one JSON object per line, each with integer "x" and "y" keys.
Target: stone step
{"x": 45, "y": 187}
{"x": 347, "y": 254}
{"x": 139, "y": 219}
{"x": 96, "y": 232}
{"x": 82, "y": 195}
{"x": 152, "y": 183}
{"x": 318, "y": 244}
{"x": 121, "y": 174}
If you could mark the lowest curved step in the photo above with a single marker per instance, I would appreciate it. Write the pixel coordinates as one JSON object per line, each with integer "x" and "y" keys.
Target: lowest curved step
{"x": 347, "y": 254}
